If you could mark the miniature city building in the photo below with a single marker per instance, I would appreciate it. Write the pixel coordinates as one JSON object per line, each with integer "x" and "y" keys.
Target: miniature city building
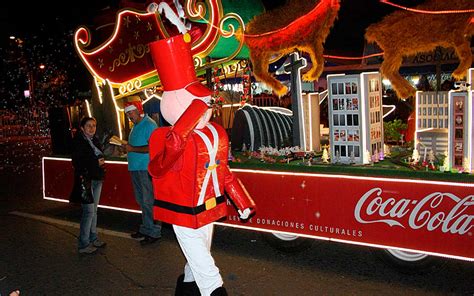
{"x": 444, "y": 124}
{"x": 431, "y": 131}
{"x": 461, "y": 130}
{"x": 457, "y": 131}
{"x": 311, "y": 120}
{"x": 355, "y": 117}
{"x": 470, "y": 120}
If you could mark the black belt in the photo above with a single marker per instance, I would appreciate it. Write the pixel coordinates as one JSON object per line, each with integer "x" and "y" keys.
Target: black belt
{"x": 207, "y": 205}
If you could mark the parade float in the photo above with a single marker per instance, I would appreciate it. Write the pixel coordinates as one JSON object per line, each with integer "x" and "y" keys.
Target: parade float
{"x": 410, "y": 201}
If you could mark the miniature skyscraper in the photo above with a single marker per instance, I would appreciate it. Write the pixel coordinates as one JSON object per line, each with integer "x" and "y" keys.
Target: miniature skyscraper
{"x": 355, "y": 117}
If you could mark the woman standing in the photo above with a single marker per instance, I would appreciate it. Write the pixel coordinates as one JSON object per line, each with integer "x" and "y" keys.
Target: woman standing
{"x": 88, "y": 162}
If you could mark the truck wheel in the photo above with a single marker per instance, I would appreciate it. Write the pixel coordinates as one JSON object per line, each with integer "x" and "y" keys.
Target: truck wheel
{"x": 407, "y": 262}
{"x": 288, "y": 243}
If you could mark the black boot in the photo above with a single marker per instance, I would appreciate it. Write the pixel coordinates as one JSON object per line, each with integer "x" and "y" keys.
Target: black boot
{"x": 221, "y": 291}
{"x": 186, "y": 288}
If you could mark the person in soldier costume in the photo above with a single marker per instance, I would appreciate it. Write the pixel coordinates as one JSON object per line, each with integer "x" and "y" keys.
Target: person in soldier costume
{"x": 188, "y": 163}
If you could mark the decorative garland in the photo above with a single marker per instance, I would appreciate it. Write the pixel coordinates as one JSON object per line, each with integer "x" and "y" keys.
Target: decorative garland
{"x": 217, "y": 86}
{"x": 246, "y": 86}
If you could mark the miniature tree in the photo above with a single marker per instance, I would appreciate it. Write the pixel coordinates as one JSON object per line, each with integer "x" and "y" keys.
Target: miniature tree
{"x": 465, "y": 165}
{"x": 445, "y": 162}
{"x": 325, "y": 156}
{"x": 386, "y": 150}
{"x": 375, "y": 156}
{"x": 415, "y": 156}
{"x": 244, "y": 148}
{"x": 352, "y": 157}
{"x": 338, "y": 156}
{"x": 431, "y": 157}
{"x": 368, "y": 156}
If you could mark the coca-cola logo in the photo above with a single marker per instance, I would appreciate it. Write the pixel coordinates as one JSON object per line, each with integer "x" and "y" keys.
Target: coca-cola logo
{"x": 444, "y": 211}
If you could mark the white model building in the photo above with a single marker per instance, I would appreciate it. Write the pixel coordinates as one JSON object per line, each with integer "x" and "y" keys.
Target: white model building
{"x": 460, "y": 132}
{"x": 355, "y": 117}
{"x": 431, "y": 131}
{"x": 444, "y": 124}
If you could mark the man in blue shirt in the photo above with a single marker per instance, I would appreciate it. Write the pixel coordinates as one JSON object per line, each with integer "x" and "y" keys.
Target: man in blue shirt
{"x": 138, "y": 158}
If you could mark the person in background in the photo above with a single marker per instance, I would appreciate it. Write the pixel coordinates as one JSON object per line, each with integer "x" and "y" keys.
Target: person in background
{"x": 88, "y": 162}
{"x": 138, "y": 159}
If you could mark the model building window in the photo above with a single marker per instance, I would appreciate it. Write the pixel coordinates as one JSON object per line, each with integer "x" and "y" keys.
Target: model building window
{"x": 335, "y": 119}
{"x": 440, "y": 110}
{"x": 429, "y": 123}
{"x": 343, "y": 151}
{"x": 356, "y": 151}
{"x": 354, "y": 88}
{"x": 458, "y": 160}
{"x": 440, "y": 123}
{"x": 435, "y": 111}
{"x": 349, "y": 104}
{"x": 355, "y": 104}
{"x": 458, "y": 133}
{"x": 435, "y": 123}
{"x": 429, "y": 100}
{"x": 334, "y": 88}
{"x": 336, "y": 135}
{"x": 342, "y": 135}
{"x": 349, "y": 120}
{"x": 429, "y": 111}
{"x": 335, "y": 104}
{"x": 356, "y": 119}
{"x": 340, "y": 88}
{"x": 342, "y": 119}
{"x": 350, "y": 136}
{"x": 356, "y": 136}
{"x": 348, "y": 88}
{"x": 341, "y": 104}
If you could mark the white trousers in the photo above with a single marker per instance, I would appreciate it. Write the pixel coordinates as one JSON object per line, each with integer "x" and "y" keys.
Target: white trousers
{"x": 200, "y": 266}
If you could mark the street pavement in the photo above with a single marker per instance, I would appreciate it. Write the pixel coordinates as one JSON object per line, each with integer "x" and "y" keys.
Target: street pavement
{"x": 38, "y": 256}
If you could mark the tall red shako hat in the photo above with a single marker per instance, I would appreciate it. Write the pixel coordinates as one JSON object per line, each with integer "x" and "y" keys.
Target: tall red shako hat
{"x": 174, "y": 64}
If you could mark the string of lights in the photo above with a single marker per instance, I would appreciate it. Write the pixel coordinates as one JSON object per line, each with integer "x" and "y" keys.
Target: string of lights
{"x": 428, "y": 11}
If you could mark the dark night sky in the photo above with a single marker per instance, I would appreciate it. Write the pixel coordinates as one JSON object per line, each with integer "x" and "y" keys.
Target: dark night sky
{"x": 25, "y": 17}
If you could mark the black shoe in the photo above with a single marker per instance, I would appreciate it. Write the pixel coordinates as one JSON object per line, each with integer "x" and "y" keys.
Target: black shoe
{"x": 137, "y": 235}
{"x": 221, "y": 291}
{"x": 148, "y": 240}
{"x": 186, "y": 288}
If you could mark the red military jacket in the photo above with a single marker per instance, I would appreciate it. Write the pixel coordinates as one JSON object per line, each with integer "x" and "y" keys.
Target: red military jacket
{"x": 190, "y": 177}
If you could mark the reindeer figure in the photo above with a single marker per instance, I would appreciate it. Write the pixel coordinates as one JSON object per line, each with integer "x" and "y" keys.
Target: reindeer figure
{"x": 300, "y": 25}
{"x": 405, "y": 33}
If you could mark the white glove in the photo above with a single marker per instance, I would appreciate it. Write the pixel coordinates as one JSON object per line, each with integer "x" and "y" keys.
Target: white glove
{"x": 244, "y": 214}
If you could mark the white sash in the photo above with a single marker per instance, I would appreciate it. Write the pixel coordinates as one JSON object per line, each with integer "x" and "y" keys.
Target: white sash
{"x": 211, "y": 167}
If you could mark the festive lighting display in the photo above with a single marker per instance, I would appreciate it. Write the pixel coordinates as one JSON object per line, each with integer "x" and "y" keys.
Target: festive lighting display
{"x": 428, "y": 11}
